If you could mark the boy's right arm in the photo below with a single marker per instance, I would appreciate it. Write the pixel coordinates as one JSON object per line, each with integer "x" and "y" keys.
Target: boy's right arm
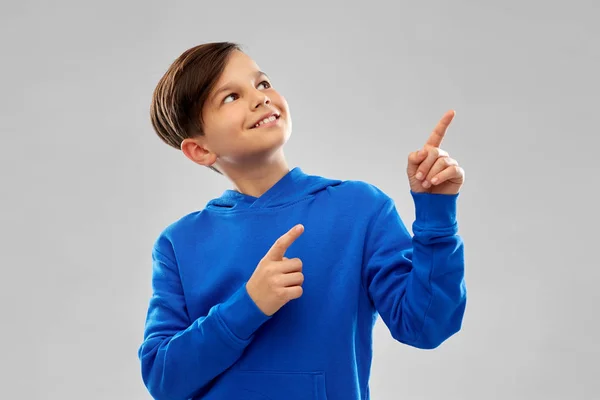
{"x": 179, "y": 357}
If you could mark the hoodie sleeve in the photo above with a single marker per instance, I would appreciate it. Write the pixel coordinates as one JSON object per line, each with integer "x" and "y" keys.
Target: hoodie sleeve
{"x": 417, "y": 284}
{"x": 180, "y": 357}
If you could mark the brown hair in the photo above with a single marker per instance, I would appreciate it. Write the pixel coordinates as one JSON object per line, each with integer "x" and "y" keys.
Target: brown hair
{"x": 177, "y": 101}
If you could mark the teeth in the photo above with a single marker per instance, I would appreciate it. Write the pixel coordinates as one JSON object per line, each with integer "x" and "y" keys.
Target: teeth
{"x": 266, "y": 121}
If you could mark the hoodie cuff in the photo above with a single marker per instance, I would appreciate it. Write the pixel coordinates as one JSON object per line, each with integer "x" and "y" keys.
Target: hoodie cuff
{"x": 435, "y": 210}
{"x": 241, "y": 315}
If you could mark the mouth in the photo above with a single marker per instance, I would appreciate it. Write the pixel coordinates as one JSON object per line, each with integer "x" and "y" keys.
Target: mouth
{"x": 267, "y": 120}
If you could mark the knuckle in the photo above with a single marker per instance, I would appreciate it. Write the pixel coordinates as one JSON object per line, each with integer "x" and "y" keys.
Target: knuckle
{"x": 281, "y": 294}
{"x": 295, "y": 263}
{"x": 298, "y": 291}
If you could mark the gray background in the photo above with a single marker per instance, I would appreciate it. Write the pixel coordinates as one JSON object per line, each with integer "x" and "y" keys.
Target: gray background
{"x": 87, "y": 186}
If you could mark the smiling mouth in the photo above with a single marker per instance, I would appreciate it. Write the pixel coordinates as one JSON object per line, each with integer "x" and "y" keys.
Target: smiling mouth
{"x": 267, "y": 121}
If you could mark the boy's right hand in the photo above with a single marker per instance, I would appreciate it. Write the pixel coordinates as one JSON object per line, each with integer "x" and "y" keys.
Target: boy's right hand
{"x": 277, "y": 279}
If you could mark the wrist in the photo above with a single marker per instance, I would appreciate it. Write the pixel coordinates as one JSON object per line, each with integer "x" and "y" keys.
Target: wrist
{"x": 435, "y": 210}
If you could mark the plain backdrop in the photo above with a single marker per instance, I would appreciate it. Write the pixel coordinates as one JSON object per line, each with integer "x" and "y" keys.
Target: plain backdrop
{"x": 87, "y": 185}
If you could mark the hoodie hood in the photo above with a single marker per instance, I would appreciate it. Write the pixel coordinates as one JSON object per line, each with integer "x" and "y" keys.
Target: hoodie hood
{"x": 294, "y": 186}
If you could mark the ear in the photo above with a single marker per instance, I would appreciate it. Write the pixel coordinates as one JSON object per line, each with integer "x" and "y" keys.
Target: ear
{"x": 196, "y": 151}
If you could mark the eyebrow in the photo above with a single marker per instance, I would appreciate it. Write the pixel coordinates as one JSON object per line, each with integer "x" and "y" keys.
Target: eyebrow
{"x": 227, "y": 86}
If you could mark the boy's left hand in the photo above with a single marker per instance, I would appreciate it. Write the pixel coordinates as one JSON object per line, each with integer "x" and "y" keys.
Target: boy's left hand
{"x": 430, "y": 169}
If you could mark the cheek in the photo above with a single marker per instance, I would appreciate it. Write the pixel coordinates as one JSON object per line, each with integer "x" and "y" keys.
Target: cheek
{"x": 282, "y": 102}
{"x": 233, "y": 119}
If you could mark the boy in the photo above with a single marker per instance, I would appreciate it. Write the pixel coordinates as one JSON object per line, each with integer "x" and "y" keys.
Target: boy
{"x": 272, "y": 290}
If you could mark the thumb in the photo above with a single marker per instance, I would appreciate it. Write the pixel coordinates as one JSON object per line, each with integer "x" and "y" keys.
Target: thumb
{"x": 415, "y": 159}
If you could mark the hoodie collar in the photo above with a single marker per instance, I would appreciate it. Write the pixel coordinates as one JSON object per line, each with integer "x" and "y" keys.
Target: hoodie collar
{"x": 293, "y": 186}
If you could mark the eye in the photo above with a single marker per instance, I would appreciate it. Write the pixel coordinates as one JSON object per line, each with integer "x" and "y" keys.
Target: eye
{"x": 231, "y": 95}
{"x": 268, "y": 85}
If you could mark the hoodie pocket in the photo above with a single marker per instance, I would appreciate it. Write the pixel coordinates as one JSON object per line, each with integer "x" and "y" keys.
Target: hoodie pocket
{"x": 271, "y": 385}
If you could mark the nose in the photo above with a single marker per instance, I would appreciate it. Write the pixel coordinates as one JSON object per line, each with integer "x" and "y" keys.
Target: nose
{"x": 262, "y": 99}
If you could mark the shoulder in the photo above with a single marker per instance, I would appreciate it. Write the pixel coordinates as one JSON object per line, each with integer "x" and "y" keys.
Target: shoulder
{"x": 359, "y": 198}
{"x": 347, "y": 191}
{"x": 177, "y": 231}
{"x": 361, "y": 191}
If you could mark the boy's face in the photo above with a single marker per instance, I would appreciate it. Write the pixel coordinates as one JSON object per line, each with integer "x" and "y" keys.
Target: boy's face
{"x": 240, "y": 98}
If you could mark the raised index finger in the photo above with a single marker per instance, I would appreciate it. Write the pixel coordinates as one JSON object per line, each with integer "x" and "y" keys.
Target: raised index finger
{"x": 277, "y": 251}
{"x": 436, "y": 137}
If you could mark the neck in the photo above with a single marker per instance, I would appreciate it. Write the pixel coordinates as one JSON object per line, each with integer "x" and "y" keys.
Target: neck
{"x": 257, "y": 179}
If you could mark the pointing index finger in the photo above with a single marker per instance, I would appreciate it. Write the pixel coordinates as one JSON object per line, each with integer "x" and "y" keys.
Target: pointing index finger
{"x": 277, "y": 251}
{"x": 436, "y": 137}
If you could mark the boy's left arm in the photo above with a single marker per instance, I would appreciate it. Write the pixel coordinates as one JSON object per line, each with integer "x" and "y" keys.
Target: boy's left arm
{"x": 417, "y": 284}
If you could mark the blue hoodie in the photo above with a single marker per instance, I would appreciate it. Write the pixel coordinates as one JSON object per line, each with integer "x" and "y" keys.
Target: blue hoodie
{"x": 205, "y": 338}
